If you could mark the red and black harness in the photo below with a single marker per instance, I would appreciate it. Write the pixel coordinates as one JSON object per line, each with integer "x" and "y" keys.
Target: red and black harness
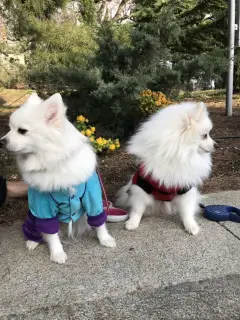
{"x": 151, "y": 186}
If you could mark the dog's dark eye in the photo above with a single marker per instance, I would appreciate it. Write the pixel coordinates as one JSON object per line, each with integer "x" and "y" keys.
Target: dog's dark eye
{"x": 22, "y": 131}
{"x": 204, "y": 136}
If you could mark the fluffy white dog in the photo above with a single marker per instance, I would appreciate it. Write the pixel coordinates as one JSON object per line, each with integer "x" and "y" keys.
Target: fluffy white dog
{"x": 173, "y": 148}
{"x": 58, "y": 163}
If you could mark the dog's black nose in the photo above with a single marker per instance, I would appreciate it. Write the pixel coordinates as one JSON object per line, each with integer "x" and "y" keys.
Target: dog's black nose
{"x": 2, "y": 143}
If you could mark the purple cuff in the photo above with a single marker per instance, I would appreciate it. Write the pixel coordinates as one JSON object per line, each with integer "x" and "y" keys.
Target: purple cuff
{"x": 32, "y": 227}
{"x": 98, "y": 220}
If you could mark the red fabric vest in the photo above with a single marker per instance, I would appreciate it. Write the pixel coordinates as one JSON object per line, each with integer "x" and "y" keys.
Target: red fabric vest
{"x": 151, "y": 186}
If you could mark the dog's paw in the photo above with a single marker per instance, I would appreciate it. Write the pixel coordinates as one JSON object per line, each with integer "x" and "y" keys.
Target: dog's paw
{"x": 131, "y": 224}
{"x": 59, "y": 257}
{"x": 192, "y": 228}
{"x": 108, "y": 241}
{"x": 31, "y": 245}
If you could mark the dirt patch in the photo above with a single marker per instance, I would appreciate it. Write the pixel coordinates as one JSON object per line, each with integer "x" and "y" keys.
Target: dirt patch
{"x": 226, "y": 160}
{"x": 116, "y": 168}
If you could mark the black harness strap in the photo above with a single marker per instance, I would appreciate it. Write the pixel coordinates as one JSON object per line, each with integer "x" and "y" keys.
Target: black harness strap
{"x": 183, "y": 191}
{"x": 148, "y": 188}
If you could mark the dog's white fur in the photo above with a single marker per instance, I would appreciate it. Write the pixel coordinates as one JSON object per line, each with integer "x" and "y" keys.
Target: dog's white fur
{"x": 175, "y": 147}
{"x": 52, "y": 154}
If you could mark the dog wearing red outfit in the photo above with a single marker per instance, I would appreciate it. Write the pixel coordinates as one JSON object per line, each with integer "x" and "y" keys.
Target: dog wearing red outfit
{"x": 173, "y": 149}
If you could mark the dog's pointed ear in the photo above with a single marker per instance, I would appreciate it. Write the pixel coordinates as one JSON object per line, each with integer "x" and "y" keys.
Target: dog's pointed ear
{"x": 189, "y": 123}
{"x": 198, "y": 111}
{"x": 33, "y": 98}
{"x": 54, "y": 110}
{"x": 200, "y": 108}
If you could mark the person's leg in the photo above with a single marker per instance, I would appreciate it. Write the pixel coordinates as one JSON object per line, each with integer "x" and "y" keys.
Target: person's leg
{"x": 12, "y": 189}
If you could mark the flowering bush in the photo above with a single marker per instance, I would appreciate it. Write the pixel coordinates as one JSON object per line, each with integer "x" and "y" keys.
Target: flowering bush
{"x": 100, "y": 144}
{"x": 151, "y": 101}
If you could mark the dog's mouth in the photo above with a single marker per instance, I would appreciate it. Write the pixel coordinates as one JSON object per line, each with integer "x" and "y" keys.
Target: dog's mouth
{"x": 9, "y": 148}
{"x": 206, "y": 151}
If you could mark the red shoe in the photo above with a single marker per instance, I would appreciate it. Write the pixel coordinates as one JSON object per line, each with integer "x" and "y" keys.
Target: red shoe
{"x": 114, "y": 214}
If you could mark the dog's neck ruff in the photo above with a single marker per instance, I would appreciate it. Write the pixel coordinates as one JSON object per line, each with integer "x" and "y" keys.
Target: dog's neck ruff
{"x": 153, "y": 187}
{"x": 72, "y": 170}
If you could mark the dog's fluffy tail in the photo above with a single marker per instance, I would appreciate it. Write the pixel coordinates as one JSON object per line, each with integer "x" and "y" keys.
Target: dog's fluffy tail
{"x": 74, "y": 231}
{"x": 122, "y": 196}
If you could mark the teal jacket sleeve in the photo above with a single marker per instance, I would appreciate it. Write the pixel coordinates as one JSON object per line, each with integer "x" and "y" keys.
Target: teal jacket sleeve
{"x": 92, "y": 202}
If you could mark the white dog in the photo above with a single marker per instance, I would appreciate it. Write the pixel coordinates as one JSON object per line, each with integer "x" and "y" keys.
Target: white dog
{"x": 173, "y": 148}
{"x": 58, "y": 163}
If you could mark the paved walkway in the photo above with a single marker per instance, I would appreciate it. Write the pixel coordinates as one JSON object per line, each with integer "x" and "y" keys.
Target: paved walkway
{"x": 156, "y": 272}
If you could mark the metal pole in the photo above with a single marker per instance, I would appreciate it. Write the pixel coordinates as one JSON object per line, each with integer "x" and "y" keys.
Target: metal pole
{"x": 231, "y": 34}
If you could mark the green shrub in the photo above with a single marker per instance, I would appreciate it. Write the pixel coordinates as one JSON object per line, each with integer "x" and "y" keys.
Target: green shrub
{"x": 60, "y": 45}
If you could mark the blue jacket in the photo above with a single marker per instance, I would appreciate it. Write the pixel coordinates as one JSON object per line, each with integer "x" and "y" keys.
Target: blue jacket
{"x": 46, "y": 209}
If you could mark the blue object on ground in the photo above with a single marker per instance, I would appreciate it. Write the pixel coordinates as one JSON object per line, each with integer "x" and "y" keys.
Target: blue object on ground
{"x": 221, "y": 213}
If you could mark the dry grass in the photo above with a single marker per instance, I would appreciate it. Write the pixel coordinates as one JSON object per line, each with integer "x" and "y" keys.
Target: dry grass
{"x": 10, "y": 99}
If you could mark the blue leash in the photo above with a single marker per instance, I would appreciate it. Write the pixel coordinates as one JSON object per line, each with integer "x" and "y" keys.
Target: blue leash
{"x": 221, "y": 213}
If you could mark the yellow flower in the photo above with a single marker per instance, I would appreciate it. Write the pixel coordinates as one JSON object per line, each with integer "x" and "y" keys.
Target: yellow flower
{"x": 112, "y": 147}
{"x": 86, "y": 121}
{"x": 81, "y": 118}
{"x": 83, "y": 132}
{"x": 91, "y": 139}
{"x": 164, "y": 100}
{"x": 88, "y": 132}
{"x": 117, "y": 143}
{"x": 104, "y": 141}
{"x": 92, "y": 129}
{"x": 99, "y": 140}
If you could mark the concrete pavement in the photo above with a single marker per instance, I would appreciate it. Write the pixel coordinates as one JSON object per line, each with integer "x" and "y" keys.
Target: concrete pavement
{"x": 156, "y": 272}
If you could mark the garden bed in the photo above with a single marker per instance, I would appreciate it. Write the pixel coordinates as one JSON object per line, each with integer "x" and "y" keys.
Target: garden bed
{"x": 117, "y": 167}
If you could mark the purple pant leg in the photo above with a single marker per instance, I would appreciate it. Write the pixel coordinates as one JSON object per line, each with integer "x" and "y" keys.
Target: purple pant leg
{"x": 33, "y": 227}
{"x": 98, "y": 220}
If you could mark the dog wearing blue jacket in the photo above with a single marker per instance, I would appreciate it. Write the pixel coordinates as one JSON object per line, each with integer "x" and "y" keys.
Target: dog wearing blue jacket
{"x": 59, "y": 165}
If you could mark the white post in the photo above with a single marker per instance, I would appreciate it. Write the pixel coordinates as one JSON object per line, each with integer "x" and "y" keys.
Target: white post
{"x": 231, "y": 35}
{"x": 237, "y": 44}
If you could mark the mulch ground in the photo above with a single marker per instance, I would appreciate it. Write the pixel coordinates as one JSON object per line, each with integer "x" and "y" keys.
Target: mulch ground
{"x": 116, "y": 168}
